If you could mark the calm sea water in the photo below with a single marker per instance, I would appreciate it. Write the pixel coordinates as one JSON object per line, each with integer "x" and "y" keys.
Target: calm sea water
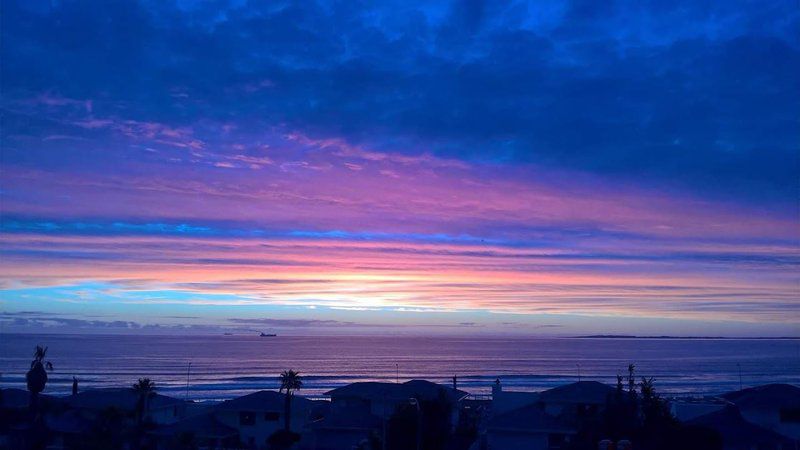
{"x": 226, "y": 366}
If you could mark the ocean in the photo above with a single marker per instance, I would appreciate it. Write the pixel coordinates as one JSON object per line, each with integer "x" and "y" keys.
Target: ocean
{"x": 221, "y": 367}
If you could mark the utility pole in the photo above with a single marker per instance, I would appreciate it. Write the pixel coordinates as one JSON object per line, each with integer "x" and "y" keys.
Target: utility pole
{"x": 188, "y": 370}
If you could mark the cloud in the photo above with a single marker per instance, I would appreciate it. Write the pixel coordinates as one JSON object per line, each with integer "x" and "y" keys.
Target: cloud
{"x": 607, "y": 158}
{"x": 48, "y": 321}
{"x": 655, "y": 91}
{"x": 293, "y": 323}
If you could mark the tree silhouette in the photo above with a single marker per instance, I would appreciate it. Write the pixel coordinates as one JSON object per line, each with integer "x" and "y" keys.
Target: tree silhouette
{"x": 36, "y": 377}
{"x": 655, "y": 411}
{"x": 145, "y": 389}
{"x": 632, "y": 380}
{"x": 290, "y": 381}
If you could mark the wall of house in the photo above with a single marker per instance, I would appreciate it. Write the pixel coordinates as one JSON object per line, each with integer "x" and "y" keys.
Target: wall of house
{"x": 167, "y": 415}
{"x": 384, "y": 407}
{"x": 555, "y": 409}
{"x": 508, "y": 440}
{"x": 504, "y": 401}
{"x": 771, "y": 419}
{"x": 581, "y": 410}
{"x": 455, "y": 416}
{"x": 379, "y": 407}
{"x": 255, "y": 434}
{"x": 261, "y": 428}
{"x": 336, "y": 439}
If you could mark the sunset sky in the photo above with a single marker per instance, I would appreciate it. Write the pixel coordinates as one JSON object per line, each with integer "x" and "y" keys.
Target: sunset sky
{"x": 553, "y": 168}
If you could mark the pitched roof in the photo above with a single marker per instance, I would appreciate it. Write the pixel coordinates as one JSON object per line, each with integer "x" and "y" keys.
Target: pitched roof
{"x": 263, "y": 401}
{"x": 734, "y": 429}
{"x": 532, "y": 419}
{"x": 124, "y": 399}
{"x": 421, "y": 389}
{"x": 203, "y": 425}
{"x": 579, "y": 392}
{"x": 13, "y": 398}
{"x": 768, "y": 396}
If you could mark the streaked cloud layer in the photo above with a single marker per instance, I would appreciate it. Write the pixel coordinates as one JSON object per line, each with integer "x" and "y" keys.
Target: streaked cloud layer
{"x": 552, "y": 167}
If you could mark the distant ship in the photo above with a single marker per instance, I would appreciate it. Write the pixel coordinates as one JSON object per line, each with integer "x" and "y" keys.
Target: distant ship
{"x": 267, "y": 335}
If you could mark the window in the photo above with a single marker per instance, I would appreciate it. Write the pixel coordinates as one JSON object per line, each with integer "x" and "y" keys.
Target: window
{"x": 790, "y": 415}
{"x": 272, "y": 416}
{"x": 247, "y": 418}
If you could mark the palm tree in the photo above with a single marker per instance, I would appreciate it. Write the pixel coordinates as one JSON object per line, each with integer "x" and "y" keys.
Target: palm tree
{"x": 291, "y": 381}
{"x": 36, "y": 377}
{"x": 144, "y": 389}
{"x": 631, "y": 380}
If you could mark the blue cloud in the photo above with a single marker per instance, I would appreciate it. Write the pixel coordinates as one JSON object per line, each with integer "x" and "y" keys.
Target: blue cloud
{"x": 693, "y": 94}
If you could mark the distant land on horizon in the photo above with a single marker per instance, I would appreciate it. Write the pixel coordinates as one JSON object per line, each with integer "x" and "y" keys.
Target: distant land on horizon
{"x": 625, "y": 336}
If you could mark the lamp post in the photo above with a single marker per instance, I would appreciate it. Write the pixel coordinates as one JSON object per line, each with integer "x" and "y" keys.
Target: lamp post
{"x": 188, "y": 371}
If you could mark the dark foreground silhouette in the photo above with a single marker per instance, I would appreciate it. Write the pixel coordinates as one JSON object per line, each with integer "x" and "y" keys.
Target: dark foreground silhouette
{"x": 416, "y": 414}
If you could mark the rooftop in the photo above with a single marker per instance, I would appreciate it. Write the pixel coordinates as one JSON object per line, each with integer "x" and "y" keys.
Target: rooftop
{"x": 124, "y": 399}
{"x": 768, "y": 396}
{"x": 733, "y": 428}
{"x": 263, "y": 401}
{"x": 420, "y": 389}
{"x": 591, "y": 392}
{"x": 13, "y": 398}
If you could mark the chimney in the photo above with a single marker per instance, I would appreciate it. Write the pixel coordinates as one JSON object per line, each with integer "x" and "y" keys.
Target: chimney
{"x": 455, "y": 382}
